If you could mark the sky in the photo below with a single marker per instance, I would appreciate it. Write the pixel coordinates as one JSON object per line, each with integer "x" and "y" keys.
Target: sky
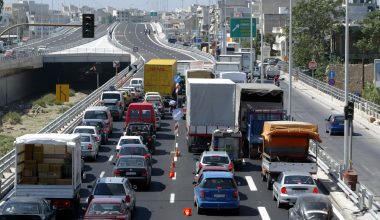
{"x": 149, "y": 5}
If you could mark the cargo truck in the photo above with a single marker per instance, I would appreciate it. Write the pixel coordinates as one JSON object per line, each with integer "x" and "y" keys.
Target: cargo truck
{"x": 49, "y": 166}
{"x": 207, "y": 101}
{"x": 183, "y": 65}
{"x": 286, "y": 148}
{"x": 159, "y": 76}
{"x": 236, "y": 77}
{"x": 226, "y": 67}
{"x": 255, "y": 104}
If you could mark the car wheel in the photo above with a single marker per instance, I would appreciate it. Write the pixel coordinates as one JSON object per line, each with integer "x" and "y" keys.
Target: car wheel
{"x": 269, "y": 182}
{"x": 199, "y": 210}
{"x": 279, "y": 204}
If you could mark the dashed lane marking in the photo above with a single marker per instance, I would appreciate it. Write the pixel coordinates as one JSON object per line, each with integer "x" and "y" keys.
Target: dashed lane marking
{"x": 110, "y": 159}
{"x": 102, "y": 174}
{"x": 175, "y": 159}
{"x": 263, "y": 213}
{"x": 251, "y": 184}
{"x": 172, "y": 197}
{"x": 175, "y": 176}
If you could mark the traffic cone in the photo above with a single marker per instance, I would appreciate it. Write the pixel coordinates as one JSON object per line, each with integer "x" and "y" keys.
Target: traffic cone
{"x": 187, "y": 211}
{"x": 172, "y": 165}
{"x": 171, "y": 173}
{"x": 177, "y": 153}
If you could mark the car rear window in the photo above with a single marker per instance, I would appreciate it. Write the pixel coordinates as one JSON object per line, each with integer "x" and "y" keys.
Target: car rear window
{"x": 21, "y": 208}
{"x": 215, "y": 160}
{"x": 111, "y": 189}
{"x": 84, "y": 130}
{"x": 146, "y": 113}
{"x": 94, "y": 123}
{"x": 130, "y": 162}
{"x": 339, "y": 119}
{"x": 85, "y": 139}
{"x": 214, "y": 183}
{"x": 132, "y": 151}
{"x": 153, "y": 98}
{"x": 111, "y": 96}
{"x": 134, "y": 113}
{"x": 299, "y": 180}
{"x": 105, "y": 208}
{"x": 129, "y": 141}
{"x": 135, "y": 81}
{"x": 95, "y": 115}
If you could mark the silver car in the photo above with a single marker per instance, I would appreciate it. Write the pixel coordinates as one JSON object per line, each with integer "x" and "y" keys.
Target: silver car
{"x": 89, "y": 146}
{"x": 214, "y": 158}
{"x": 290, "y": 185}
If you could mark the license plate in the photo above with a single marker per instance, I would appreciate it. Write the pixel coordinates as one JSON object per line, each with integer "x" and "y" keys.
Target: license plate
{"x": 219, "y": 195}
{"x": 130, "y": 173}
{"x": 341, "y": 123}
{"x": 299, "y": 191}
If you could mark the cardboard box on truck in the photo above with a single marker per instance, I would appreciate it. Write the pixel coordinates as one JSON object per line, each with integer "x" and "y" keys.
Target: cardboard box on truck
{"x": 159, "y": 76}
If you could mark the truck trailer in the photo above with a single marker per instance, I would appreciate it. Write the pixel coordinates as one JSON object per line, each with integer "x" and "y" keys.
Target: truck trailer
{"x": 159, "y": 76}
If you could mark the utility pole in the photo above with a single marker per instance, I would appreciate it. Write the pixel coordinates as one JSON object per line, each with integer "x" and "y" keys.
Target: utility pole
{"x": 262, "y": 43}
{"x": 346, "y": 60}
{"x": 250, "y": 43}
{"x": 290, "y": 69}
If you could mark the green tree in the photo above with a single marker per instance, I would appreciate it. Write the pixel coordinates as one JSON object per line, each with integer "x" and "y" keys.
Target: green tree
{"x": 314, "y": 21}
{"x": 371, "y": 93}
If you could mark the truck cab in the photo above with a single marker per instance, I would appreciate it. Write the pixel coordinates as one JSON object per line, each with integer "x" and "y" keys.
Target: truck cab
{"x": 231, "y": 141}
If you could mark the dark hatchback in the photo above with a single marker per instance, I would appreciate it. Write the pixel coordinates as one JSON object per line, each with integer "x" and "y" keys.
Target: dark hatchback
{"x": 136, "y": 168}
{"x": 312, "y": 206}
{"x": 335, "y": 124}
{"x": 27, "y": 208}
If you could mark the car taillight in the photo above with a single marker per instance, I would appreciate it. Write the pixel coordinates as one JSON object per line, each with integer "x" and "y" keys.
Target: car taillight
{"x": 144, "y": 173}
{"x": 315, "y": 190}
{"x": 116, "y": 173}
{"x": 200, "y": 166}
{"x": 146, "y": 156}
{"x": 104, "y": 130}
{"x": 89, "y": 146}
{"x": 149, "y": 139}
{"x": 202, "y": 194}
{"x": 236, "y": 194}
{"x": 283, "y": 190}
{"x": 230, "y": 167}
{"x": 127, "y": 199}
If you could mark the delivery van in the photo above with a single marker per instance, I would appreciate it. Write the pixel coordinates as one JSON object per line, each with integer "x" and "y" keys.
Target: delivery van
{"x": 140, "y": 112}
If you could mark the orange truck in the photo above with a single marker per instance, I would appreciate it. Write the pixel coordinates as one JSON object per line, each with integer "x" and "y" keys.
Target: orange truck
{"x": 286, "y": 148}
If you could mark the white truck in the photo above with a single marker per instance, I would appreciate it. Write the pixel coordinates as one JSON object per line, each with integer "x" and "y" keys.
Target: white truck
{"x": 226, "y": 67}
{"x": 49, "y": 166}
{"x": 183, "y": 65}
{"x": 207, "y": 100}
{"x": 236, "y": 77}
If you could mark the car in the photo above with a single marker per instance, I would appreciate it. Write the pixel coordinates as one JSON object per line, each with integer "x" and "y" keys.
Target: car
{"x": 151, "y": 93}
{"x": 113, "y": 95}
{"x": 214, "y": 158}
{"x": 271, "y": 71}
{"x": 107, "y": 208}
{"x": 145, "y": 130}
{"x": 135, "y": 94}
{"x": 115, "y": 108}
{"x": 88, "y": 130}
{"x": 100, "y": 112}
{"x": 89, "y": 146}
{"x": 100, "y": 126}
{"x": 312, "y": 206}
{"x": 41, "y": 49}
{"x": 217, "y": 190}
{"x": 158, "y": 105}
{"x": 136, "y": 168}
{"x": 290, "y": 185}
{"x": 157, "y": 110}
{"x": 10, "y": 53}
{"x": 141, "y": 113}
{"x": 335, "y": 124}
{"x": 113, "y": 187}
{"x": 128, "y": 140}
{"x": 154, "y": 98}
{"x": 20, "y": 207}
{"x": 138, "y": 83}
{"x": 135, "y": 149}
{"x": 199, "y": 175}
{"x": 127, "y": 95}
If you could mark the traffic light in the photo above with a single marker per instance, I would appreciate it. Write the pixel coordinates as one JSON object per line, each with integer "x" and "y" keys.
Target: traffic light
{"x": 349, "y": 111}
{"x": 88, "y": 25}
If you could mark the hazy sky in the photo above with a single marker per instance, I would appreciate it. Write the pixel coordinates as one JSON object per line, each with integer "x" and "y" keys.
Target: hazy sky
{"x": 122, "y": 4}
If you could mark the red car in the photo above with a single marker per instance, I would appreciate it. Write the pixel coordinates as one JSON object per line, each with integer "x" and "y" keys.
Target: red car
{"x": 107, "y": 208}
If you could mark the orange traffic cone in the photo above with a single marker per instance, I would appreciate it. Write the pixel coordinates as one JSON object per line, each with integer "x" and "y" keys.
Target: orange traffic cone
{"x": 177, "y": 153}
{"x": 171, "y": 174}
{"x": 187, "y": 211}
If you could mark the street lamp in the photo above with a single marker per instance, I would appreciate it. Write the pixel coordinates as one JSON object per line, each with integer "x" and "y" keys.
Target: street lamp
{"x": 347, "y": 150}
{"x": 262, "y": 42}
{"x": 250, "y": 41}
{"x": 290, "y": 69}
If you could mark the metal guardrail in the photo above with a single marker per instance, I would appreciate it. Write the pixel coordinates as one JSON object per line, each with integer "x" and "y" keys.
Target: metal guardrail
{"x": 64, "y": 123}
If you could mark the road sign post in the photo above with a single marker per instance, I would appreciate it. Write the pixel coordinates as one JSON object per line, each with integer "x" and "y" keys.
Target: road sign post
{"x": 240, "y": 27}
{"x": 116, "y": 64}
{"x": 62, "y": 92}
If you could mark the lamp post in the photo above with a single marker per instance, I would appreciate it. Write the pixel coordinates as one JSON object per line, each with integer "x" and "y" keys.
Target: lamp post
{"x": 262, "y": 42}
{"x": 346, "y": 121}
{"x": 290, "y": 69}
{"x": 250, "y": 42}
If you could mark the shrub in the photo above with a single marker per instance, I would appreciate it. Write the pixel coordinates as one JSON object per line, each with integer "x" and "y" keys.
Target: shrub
{"x": 13, "y": 117}
{"x": 49, "y": 99}
{"x": 6, "y": 144}
{"x": 72, "y": 93}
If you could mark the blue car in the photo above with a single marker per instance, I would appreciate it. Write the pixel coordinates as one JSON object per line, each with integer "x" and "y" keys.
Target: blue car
{"x": 335, "y": 124}
{"x": 216, "y": 190}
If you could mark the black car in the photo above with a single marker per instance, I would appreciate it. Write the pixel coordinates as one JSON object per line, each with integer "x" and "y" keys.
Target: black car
{"x": 100, "y": 125}
{"x": 146, "y": 131}
{"x": 312, "y": 206}
{"x": 136, "y": 168}
{"x": 27, "y": 208}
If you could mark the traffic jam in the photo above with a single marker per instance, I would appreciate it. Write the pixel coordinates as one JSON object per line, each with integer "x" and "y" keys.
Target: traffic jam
{"x": 226, "y": 123}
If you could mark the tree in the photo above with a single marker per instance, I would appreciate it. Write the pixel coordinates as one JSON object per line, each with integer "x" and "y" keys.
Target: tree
{"x": 371, "y": 93}
{"x": 314, "y": 21}
{"x": 1, "y": 7}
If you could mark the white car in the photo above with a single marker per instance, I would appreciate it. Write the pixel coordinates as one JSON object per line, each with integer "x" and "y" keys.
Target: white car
{"x": 128, "y": 140}
{"x": 88, "y": 130}
{"x": 137, "y": 92}
{"x": 41, "y": 49}
{"x": 137, "y": 83}
{"x": 151, "y": 93}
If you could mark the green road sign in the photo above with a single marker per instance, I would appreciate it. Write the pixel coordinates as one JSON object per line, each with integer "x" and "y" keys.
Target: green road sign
{"x": 240, "y": 27}
{"x": 153, "y": 13}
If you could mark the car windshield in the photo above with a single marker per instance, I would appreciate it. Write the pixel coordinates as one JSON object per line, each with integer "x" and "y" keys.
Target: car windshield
{"x": 135, "y": 81}
{"x": 134, "y": 114}
{"x": 153, "y": 98}
{"x": 129, "y": 141}
{"x": 215, "y": 160}
{"x": 111, "y": 96}
{"x": 21, "y": 208}
{"x": 132, "y": 151}
{"x": 85, "y": 139}
{"x": 105, "y": 208}
{"x": 135, "y": 128}
{"x": 84, "y": 130}
{"x": 130, "y": 162}
{"x": 109, "y": 189}
{"x": 214, "y": 183}
{"x": 339, "y": 119}
{"x": 298, "y": 179}
{"x": 95, "y": 115}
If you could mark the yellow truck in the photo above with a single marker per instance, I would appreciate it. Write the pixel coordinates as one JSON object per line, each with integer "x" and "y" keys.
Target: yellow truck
{"x": 159, "y": 76}
{"x": 286, "y": 148}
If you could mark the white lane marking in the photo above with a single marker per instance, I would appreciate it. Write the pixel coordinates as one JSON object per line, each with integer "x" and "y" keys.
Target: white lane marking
{"x": 337, "y": 213}
{"x": 175, "y": 176}
{"x": 243, "y": 160}
{"x": 263, "y": 213}
{"x": 1, "y": 203}
{"x": 110, "y": 159}
{"x": 251, "y": 184}
{"x": 172, "y": 196}
{"x": 175, "y": 159}
{"x": 102, "y": 174}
